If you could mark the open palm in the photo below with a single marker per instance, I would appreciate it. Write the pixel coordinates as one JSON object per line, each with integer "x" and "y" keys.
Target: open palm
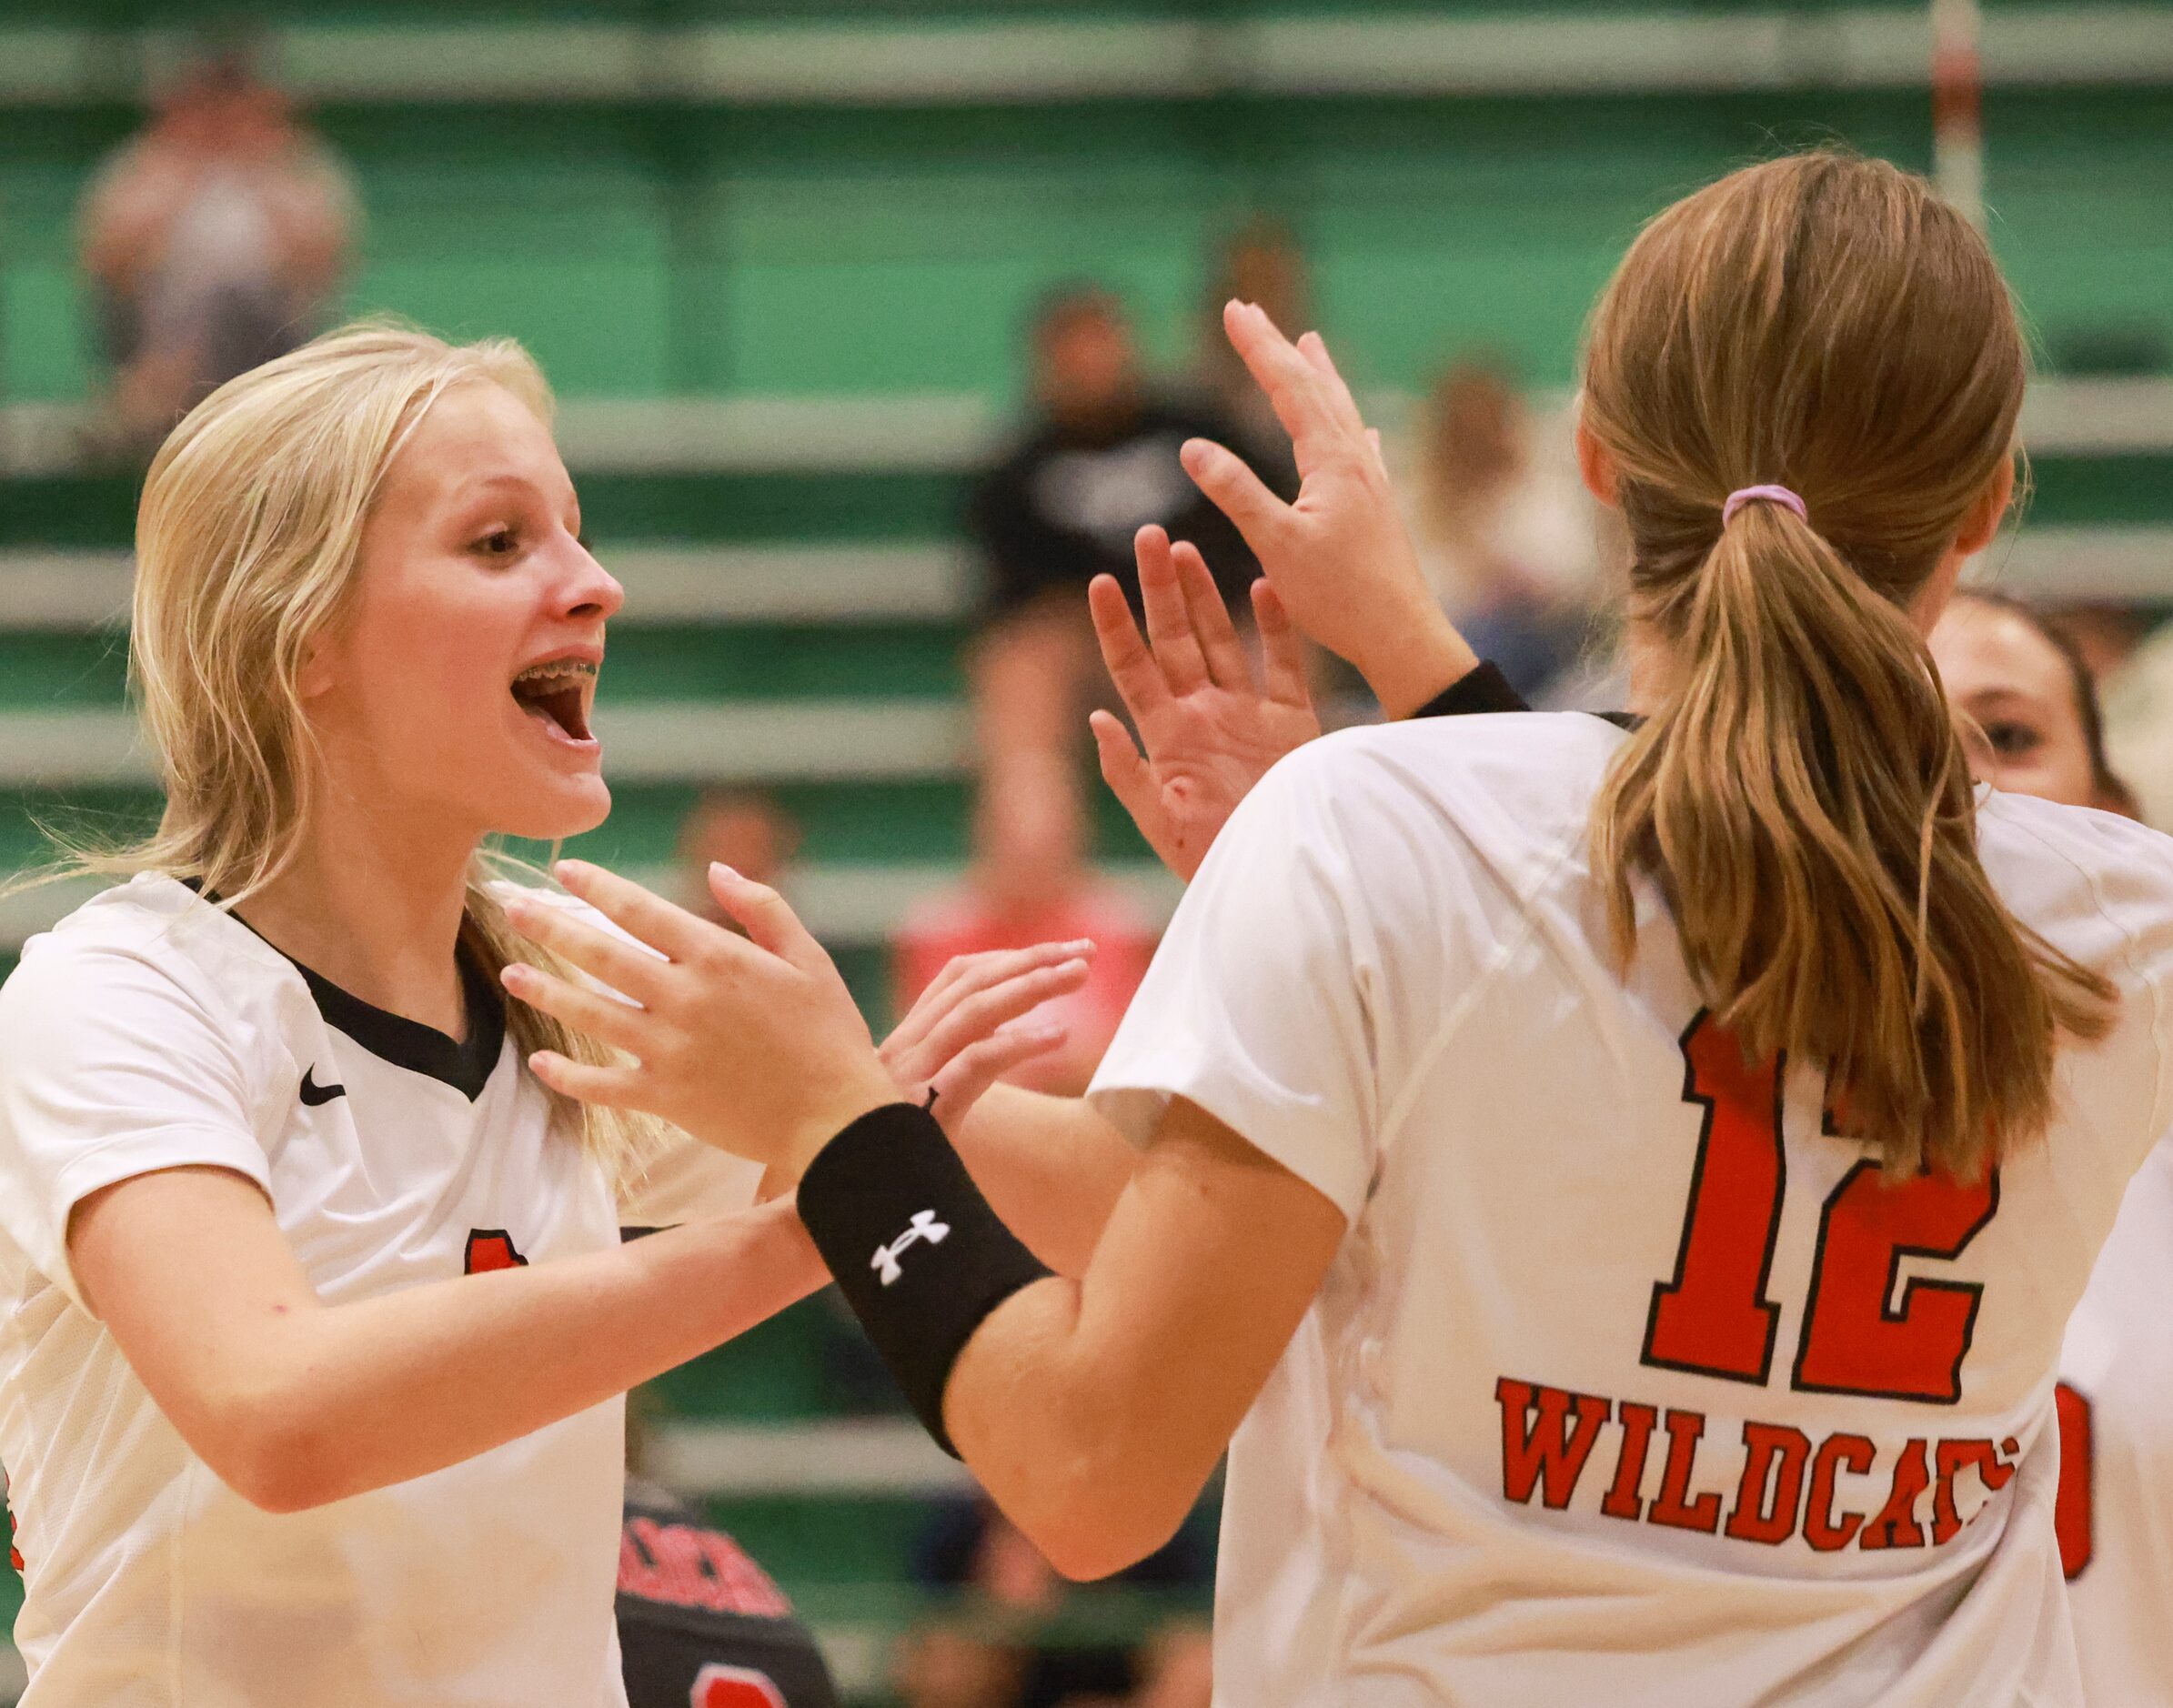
{"x": 1210, "y": 728}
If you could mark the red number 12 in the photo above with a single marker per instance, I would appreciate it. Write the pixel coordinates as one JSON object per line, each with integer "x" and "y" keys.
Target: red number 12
{"x": 1716, "y": 1318}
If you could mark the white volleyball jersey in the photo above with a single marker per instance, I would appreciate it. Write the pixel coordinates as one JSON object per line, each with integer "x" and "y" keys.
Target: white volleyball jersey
{"x": 2116, "y": 1409}
{"x": 151, "y": 1030}
{"x": 1629, "y": 1383}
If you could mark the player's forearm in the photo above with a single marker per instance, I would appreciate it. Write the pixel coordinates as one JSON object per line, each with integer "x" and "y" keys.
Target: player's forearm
{"x": 1413, "y": 658}
{"x": 1078, "y": 1429}
{"x": 1094, "y": 1410}
{"x": 1052, "y": 1169}
{"x": 361, "y": 1395}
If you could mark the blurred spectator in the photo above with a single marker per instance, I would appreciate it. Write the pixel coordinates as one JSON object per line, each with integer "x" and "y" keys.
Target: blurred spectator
{"x": 1030, "y": 884}
{"x": 1260, "y": 262}
{"x": 744, "y": 829}
{"x": 1505, "y": 530}
{"x": 216, "y": 240}
{"x": 1001, "y": 1651}
{"x": 1096, "y": 461}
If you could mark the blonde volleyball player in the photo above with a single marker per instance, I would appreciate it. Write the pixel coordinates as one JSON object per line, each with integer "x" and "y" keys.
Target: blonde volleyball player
{"x": 2035, "y": 728}
{"x": 1617, "y": 1192}
{"x": 317, "y": 1316}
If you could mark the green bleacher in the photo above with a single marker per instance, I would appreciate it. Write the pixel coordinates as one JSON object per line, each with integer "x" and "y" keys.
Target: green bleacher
{"x": 775, "y": 256}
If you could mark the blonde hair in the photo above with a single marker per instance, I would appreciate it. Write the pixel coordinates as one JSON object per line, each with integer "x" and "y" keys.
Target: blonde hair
{"x": 1826, "y": 323}
{"x": 248, "y": 542}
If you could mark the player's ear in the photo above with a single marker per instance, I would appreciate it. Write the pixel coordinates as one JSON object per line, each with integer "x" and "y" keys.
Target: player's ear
{"x": 317, "y": 670}
{"x": 1596, "y": 468}
{"x": 1988, "y": 511}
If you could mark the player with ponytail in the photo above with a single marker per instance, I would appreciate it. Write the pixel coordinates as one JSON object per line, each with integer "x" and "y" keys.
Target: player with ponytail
{"x": 1615, "y": 1186}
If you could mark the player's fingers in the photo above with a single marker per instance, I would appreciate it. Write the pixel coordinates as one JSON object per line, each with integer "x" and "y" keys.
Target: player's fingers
{"x": 1176, "y": 648}
{"x": 1281, "y": 648}
{"x": 1295, "y": 389}
{"x": 976, "y": 972}
{"x": 982, "y": 1014}
{"x": 606, "y": 1019}
{"x": 1373, "y": 443}
{"x": 1314, "y": 349}
{"x": 984, "y": 972}
{"x": 1239, "y": 493}
{"x": 617, "y": 1087}
{"x": 973, "y": 1072}
{"x": 1210, "y": 619}
{"x": 1125, "y": 653}
{"x": 670, "y": 931}
{"x": 1130, "y": 777}
{"x": 964, "y": 974}
{"x": 769, "y": 922}
{"x": 627, "y": 968}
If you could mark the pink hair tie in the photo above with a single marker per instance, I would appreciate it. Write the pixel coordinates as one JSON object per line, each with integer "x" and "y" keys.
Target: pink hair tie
{"x": 1781, "y": 496}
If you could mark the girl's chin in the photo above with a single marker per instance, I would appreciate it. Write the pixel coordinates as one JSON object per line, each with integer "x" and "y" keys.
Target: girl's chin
{"x": 566, "y": 807}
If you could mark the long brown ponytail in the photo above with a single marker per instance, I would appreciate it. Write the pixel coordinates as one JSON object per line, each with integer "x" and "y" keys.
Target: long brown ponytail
{"x": 1826, "y": 323}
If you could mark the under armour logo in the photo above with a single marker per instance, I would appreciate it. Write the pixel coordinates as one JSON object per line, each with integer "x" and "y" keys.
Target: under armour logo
{"x": 924, "y": 1227}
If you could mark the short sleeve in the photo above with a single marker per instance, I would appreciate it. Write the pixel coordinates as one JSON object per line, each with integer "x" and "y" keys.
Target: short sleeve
{"x": 688, "y": 1181}
{"x": 1258, "y": 1006}
{"x": 109, "y": 1069}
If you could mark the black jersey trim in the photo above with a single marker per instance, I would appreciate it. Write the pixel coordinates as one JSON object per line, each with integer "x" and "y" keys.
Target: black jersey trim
{"x": 1483, "y": 688}
{"x": 464, "y": 1064}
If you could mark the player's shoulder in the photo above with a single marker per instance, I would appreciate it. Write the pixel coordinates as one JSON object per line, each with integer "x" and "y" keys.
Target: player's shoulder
{"x": 2076, "y": 874}
{"x": 151, "y": 927}
{"x": 1522, "y": 773}
{"x": 148, "y": 964}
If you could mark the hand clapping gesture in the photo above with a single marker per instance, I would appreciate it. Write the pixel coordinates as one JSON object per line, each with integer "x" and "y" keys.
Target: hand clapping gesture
{"x": 1338, "y": 565}
{"x": 1339, "y": 557}
{"x": 1211, "y": 728}
{"x": 773, "y": 1092}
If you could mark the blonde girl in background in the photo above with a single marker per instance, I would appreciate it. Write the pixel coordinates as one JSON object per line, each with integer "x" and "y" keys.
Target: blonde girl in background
{"x": 315, "y": 1316}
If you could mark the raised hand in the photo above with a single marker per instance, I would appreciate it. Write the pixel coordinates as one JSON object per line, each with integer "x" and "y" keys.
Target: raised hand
{"x": 1339, "y": 555}
{"x": 753, "y": 1044}
{"x": 1211, "y": 729}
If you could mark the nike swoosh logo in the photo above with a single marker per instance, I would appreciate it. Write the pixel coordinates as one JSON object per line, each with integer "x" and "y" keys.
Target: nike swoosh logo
{"x": 313, "y": 1093}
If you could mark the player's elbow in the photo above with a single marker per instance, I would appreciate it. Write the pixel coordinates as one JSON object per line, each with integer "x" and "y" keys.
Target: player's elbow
{"x": 1105, "y": 1513}
{"x": 272, "y": 1455}
{"x": 1094, "y": 1541}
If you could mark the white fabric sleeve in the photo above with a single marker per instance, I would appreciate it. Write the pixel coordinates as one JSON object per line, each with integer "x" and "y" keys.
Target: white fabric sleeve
{"x": 1258, "y": 1006}
{"x": 110, "y": 1069}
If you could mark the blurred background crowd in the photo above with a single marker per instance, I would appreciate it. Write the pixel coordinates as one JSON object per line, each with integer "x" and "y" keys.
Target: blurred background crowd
{"x": 877, "y": 339}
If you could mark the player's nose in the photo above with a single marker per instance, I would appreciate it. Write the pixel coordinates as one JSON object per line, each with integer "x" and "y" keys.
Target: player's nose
{"x": 591, "y": 590}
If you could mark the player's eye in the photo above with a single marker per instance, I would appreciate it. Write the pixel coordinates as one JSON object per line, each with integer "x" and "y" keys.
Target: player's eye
{"x": 499, "y": 544}
{"x": 2012, "y": 740}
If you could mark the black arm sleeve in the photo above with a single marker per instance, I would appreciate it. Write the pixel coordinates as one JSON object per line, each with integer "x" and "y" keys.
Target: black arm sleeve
{"x": 1483, "y": 688}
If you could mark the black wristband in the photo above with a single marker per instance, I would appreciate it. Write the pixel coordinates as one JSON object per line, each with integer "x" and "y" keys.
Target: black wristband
{"x": 1481, "y": 689}
{"x": 914, "y": 1247}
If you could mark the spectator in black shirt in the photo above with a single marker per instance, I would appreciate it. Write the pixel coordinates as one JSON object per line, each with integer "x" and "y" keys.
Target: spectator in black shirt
{"x": 1096, "y": 462}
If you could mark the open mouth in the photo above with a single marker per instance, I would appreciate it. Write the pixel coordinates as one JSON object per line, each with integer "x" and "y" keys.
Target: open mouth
{"x": 558, "y": 693}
